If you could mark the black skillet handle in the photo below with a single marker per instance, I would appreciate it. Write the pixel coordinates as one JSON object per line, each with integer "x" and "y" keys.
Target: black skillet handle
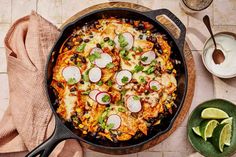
{"x": 61, "y": 132}
{"x": 154, "y": 13}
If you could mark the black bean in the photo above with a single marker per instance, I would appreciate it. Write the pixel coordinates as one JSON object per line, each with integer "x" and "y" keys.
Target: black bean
{"x": 154, "y": 30}
{"x": 140, "y": 26}
{"x": 83, "y": 60}
{"x": 72, "y": 58}
{"x": 96, "y": 22}
{"x": 106, "y": 39}
{"x": 160, "y": 51}
{"x": 164, "y": 37}
{"x": 75, "y": 55}
{"x": 91, "y": 36}
{"x": 131, "y": 21}
{"x": 144, "y": 31}
{"x": 153, "y": 39}
{"x": 149, "y": 38}
{"x": 79, "y": 39}
{"x": 69, "y": 47}
{"x": 169, "y": 71}
{"x": 72, "y": 89}
{"x": 146, "y": 92}
{"x": 107, "y": 105}
{"x": 127, "y": 20}
{"x": 81, "y": 81}
{"x": 156, "y": 45}
{"x": 140, "y": 36}
{"x": 98, "y": 45}
{"x": 86, "y": 40}
{"x": 60, "y": 85}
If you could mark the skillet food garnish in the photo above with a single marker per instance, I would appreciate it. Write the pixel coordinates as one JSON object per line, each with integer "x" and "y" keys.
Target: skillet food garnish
{"x": 115, "y": 79}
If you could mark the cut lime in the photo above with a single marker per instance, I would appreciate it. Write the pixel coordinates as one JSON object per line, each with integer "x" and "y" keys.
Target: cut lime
{"x": 213, "y": 113}
{"x": 220, "y": 135}
{"x": 228, "y": 121}
{"x": 207, "y": 127}
{"x": 196, "y": 130}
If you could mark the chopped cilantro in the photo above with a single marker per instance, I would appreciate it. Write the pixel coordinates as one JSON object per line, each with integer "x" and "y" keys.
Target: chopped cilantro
{"x": 121, "y": 109}
{"x": 144, "y": 58}
{"x": 79, "y": 64}
{"x": 71, "y": 81}
{"x": 109, "y": 83}
{"x": 150, "y": 70}
{"x": 99, "y": 83}
{"x": 81, "y": 47}
{"x": 120, "y": 102}
{"x": 154, "y": 88}
{"x": 138, "y": 68}
{"x": 85, "y": 77}
{"x": 85, "y": 93}
{"x": 135, "y": 97}
{"x": 102, "y": 43}
{"x": 125, "y": 79}
{"x": 121, "y": 39}
{"x": 141, "y": 78}
{"x": 123, "y": 92}
{"x": 140, "y": 49}
{"x": 111, "y": 42}
{"x": 126, "y": 58}
{"x": 110, "y": 126}
{"x": 94, "y": 56}
{"x": 123, "y": 52}
{"x": 106, "y": 98}
{"x": 110, "y": 65}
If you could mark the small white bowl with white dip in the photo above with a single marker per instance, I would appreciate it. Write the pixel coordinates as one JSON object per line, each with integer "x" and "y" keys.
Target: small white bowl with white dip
{"x": 226, "y": 42}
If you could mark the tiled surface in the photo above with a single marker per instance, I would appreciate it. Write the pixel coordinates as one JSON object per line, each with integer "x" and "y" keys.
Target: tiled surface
{"x": 223, "y": 17}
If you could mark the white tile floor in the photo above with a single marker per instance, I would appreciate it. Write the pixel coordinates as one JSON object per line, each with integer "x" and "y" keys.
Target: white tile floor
{"x": 223, "y": 17}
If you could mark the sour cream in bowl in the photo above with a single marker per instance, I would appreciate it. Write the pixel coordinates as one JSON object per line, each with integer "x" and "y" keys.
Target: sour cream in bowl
{"x": 226, "y": 42}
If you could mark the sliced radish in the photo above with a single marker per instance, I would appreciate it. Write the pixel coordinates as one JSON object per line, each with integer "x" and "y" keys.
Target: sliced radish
{"x": 103, "y": 98}
{"x": 123, "y": 77}
{"x": 103, "y": 61}
{"x": 115, "y": 120}
{"x": 96, "y": 49}
{"x": 93, "y": 94}
{"x": 148, "y": 57}
{"x": 134, "y": 105}
{"x": 154, "y": 85}
{"x": 71, "y": 72}
{"x": 128, "y": 38}
{"x": 95, "y": 74}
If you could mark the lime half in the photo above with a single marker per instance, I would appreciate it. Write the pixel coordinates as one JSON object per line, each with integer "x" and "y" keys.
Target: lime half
{"x": 214, "y": 113}
{"x": 220, "y": 135}
{"x": 196, "y": 130}
{"x": 207, "y": 127}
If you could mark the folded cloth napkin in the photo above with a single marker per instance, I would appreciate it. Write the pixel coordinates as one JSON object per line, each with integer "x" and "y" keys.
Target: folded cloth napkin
{"x": 28, "y": 120}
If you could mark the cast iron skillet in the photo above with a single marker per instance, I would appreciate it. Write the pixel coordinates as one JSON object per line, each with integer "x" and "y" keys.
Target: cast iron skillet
{"x": 64, "y": 130}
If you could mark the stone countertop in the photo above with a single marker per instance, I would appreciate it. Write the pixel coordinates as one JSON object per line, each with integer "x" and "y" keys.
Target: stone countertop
{"x": 223, "y": 18}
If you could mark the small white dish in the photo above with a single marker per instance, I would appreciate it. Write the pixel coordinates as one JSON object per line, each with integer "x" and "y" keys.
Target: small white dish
{"x": 226, "y": 41}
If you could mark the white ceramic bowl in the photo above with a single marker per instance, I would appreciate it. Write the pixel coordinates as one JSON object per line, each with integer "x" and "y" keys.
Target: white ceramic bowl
{"x": 204, "y": 56}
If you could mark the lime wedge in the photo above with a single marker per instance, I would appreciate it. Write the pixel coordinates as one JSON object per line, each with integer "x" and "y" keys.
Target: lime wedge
{"x": 196, "y": 130}
{"x": 220, "y": 135}
{"x": 207, "y": 127}
{"x": 227, "y": 121}
{"x": 213, "y": 113}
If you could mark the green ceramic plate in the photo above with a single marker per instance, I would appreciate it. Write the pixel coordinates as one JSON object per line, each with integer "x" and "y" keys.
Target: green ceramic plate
{"x": 205, "y": 147}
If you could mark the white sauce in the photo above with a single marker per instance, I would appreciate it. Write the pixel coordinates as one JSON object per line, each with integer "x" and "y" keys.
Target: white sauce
{"x": 227, "y": 44}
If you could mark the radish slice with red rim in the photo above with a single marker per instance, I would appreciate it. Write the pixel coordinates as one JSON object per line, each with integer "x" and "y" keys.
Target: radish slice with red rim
{"x": 148, "y": 57}
{"x": 96, "y": 49}
{"x": 128, "y": 38}
{"x": 123, "y": 77}
{"x": 103, "y": 60}
{"x": 134, "y": 104}
{"x": 95, "y": 74}
{"x": 93, "y": 94}
{"x": 71, "y": 72}
{"x": 114, "y": 120}
{"x": 103, "y": 98}
{"x": 154, "y": 85}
